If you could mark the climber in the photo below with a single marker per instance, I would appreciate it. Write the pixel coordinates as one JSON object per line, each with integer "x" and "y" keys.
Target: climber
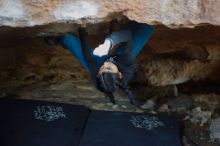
{"x": 112, "y": 63}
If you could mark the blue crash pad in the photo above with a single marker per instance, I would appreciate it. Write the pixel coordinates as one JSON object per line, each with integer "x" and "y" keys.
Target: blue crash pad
{"x": 39, "y": 123}
{"x": 106, "y": 128}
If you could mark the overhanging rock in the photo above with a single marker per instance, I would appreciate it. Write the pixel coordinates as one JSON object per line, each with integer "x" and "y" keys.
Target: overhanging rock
{"x": 172, "y": 13}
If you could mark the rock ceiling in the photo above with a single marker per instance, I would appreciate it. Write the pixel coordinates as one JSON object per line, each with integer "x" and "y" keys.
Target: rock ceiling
{"x": 172, "y": 13}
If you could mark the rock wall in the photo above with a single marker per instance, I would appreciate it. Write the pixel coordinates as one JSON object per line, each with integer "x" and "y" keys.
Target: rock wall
{"x": 178, "y": 56}
{"x": 172, "y": 56}
{"x": 172, "y": 13}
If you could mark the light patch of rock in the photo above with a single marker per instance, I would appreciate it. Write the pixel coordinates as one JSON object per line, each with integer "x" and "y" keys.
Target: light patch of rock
{"x": 149, "y": 105}
{"x": 197, "y": 115}
{"x": 182, "y": 103}
{"x": 76, "y": 10}
{"x": 12, "y": 10}
{"x": 164, "y": 108}
{"x": 171, "y": 13}
{"x": 215, "y": 130}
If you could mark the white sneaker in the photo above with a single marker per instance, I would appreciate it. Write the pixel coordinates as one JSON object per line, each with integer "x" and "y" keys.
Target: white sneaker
{"x": 102, "y": 49}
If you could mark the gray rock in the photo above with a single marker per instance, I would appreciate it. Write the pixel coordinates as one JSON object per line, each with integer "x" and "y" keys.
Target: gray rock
{"x": 164, "y": 108}
{"x": 124, "y": 106}
{"x": 115, "y": 106}
{"x": 109, "y": 103}
{"x": 197, "y": 115}
{"x": 182, "y": 103}
{"x": 149, "y": 105}
{"x": 215, "y": 130}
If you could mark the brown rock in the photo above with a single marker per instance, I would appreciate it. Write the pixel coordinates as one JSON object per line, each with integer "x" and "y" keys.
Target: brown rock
{"x": 173, "y": 13}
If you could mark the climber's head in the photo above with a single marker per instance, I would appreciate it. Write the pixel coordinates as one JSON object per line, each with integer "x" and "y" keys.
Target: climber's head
{"x": 109, "y": 77}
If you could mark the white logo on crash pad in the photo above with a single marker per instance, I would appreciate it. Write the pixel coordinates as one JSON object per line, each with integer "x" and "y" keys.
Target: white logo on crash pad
{"x": 49, "y": 113}
{"x": 146, "y": 122}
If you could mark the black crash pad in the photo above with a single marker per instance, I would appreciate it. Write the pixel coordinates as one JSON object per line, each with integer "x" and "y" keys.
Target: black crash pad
{"x": 38, "y": 123}
{"x": 130, "y": 129}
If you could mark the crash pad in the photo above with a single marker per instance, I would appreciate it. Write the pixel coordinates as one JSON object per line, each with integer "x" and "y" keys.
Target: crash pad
{"x": 34, "y": 123}
{"x": 40, "y": 123}
{"x": 105, "y": 128}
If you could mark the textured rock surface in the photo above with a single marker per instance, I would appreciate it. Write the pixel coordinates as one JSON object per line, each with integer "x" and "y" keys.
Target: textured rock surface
{"x": 215, "y": 130}
{"x": 170, "y": 57}
{"x": 177, "y": 56}
{"x": 173, "y": 13}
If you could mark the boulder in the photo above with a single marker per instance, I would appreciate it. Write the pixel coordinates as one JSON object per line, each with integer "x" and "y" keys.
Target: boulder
{"x": 172, "y": 13}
